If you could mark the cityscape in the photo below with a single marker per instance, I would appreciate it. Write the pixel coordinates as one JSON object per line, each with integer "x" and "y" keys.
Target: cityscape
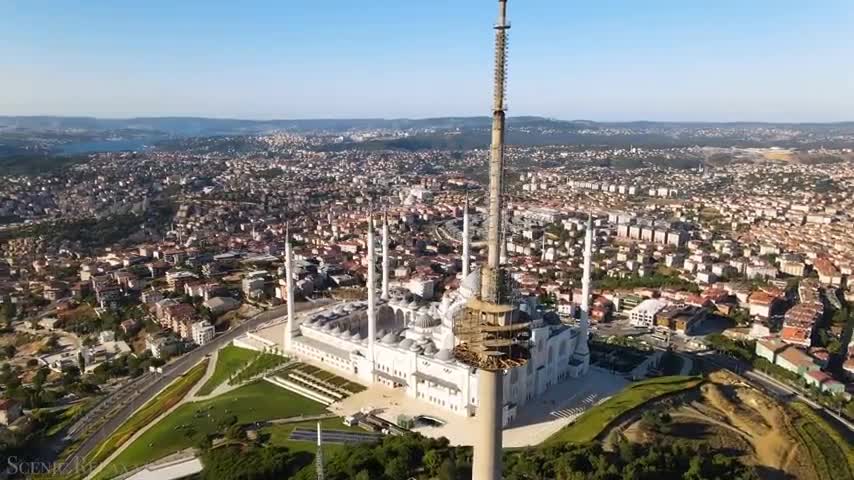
{"x": 488, "y": 296}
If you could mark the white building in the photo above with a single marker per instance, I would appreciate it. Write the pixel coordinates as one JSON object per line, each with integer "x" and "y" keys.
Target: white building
{"x": 412, "y": 347}
{"x": 203, "y": 332}
{"x": 423, "y": 287}
{"x": 413, "y": 350}
{"x": 106, "y": 336}
{"x": 643, "y": 315}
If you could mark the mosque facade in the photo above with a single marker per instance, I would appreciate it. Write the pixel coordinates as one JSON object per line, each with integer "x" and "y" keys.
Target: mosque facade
{"x": 403, "y": 341}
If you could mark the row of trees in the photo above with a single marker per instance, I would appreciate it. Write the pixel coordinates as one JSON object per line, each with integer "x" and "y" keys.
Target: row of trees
{"x": 414, "y": 456}
{"x": 251, "y": 462}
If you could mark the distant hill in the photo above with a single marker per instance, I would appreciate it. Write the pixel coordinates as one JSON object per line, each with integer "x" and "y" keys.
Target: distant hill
{"x": 199, "y": 126}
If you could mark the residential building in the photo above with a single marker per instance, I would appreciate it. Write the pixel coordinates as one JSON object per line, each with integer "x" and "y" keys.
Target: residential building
{"x": 644, "y": 314}
{"x": 768, "y": 348}
{"x": 823, "y": 382}
{"x": 203, "y": 332}
{"x": 796, "y": 361}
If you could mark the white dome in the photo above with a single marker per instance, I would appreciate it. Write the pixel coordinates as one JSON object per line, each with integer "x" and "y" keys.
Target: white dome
{"x": 430, "y": 349}
{"x": 406, "y": 343}
{"x": 389, "y": 339}
{"x": 425, "y": 321}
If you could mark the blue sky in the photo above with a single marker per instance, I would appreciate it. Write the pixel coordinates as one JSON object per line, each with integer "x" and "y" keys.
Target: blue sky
{"x": 775, "y": 60}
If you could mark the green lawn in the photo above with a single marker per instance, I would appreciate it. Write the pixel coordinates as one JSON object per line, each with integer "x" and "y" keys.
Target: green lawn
{"x": 190, "y": 423}
{"x": 229, "y": 361}
{"x": 260, "y": 363}
{"x": 148, "y": 413}
{"x": 587, "y": 427}
{"x": 830, "y": 453}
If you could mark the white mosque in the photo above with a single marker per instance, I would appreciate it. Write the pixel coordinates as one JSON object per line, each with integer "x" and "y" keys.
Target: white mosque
{"x": 404, "y": 342}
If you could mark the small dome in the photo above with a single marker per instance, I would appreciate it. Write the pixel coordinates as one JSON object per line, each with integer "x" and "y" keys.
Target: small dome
{"x": 444, "y": 354}
{"x": 425, "y": 321}
{"x": 413, "y": 305}
{"x": 389, "y": 339}
{"x": 414, "y": 348}
{"x": 328, "y": 326}
{"x": 382, "y": 333}
{"x": 406, "y": 343}
{"x": 430, "y": 349}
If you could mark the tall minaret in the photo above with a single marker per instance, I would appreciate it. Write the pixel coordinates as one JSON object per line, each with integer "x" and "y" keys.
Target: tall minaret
{"x": 372, "y": 289}
{"x": 318, "y": 458}
{"x": 582, "y": 352}
{"x": 385, "y": 257}
{"x": 291, "y": 327}
{"x": 466, "y": 241}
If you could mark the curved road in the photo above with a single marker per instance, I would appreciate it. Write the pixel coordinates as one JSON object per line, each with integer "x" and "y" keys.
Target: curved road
{"x": 171, "y": 371}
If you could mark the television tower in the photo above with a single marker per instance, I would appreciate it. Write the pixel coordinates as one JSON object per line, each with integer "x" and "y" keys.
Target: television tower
{"x": 492, "y": 338}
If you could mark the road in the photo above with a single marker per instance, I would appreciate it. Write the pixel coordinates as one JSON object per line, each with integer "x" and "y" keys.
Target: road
{"x": 171, "y": 371}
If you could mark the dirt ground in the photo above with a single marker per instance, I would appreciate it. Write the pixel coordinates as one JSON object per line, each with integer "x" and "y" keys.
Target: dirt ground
{"x": 735, "y": 419}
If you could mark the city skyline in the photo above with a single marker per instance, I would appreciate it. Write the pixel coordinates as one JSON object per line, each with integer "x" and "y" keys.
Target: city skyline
{"x": 614, "y": 62}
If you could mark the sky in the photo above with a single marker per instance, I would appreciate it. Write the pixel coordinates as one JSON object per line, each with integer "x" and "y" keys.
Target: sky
{"x": 604, "y": 60}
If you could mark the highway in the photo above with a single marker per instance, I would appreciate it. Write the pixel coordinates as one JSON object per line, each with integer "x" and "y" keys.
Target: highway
{"x": 144, "y": 391}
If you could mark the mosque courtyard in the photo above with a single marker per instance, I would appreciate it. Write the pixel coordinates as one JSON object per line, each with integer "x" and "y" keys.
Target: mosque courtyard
{"x": 535, "y": 422}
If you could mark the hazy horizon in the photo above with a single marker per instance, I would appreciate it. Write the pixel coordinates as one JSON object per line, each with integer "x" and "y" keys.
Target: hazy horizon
{"x": 613, "y": 61}
{"x": 296, "y": 119}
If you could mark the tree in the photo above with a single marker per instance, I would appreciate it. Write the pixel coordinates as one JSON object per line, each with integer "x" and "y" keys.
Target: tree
{"x": 8, "y": 312}
{"x": 397, "y": 468}
{"x": 833, "y": 346}
{"x": 448, "y": 470}
{"x": 363, "y": 475}
{"x": 8, "y": 351}
{"x": 40, "y": 377}
{"x": 81, "y": 362}
{"x": 432, "y": 462}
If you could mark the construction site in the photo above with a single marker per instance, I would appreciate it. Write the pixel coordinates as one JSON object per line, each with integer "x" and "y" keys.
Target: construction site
{"x": 733, "y": 418}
